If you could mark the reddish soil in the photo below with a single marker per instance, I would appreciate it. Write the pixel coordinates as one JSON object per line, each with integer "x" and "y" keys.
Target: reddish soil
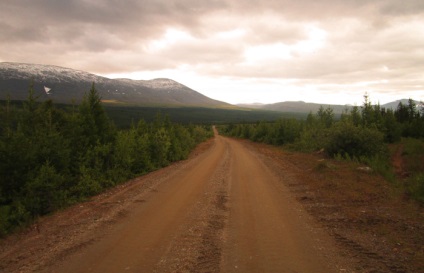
{"x": 234, "y": 206}
{"x": 373, "y": 223}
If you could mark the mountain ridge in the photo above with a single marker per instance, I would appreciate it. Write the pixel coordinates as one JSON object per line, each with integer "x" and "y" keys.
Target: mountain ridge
{"x": 306, "y": 107}
{"x": 68, "y": 85}
{"x": 296, "y": 107}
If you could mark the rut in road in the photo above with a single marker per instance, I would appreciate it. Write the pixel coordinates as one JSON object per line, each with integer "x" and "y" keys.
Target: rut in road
{"x": 223, "y": 211}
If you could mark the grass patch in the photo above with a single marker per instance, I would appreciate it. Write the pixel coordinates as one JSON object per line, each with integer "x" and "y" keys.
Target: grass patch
{"x": 415, "y": 187}
{"x": 409, "y": 157}
{"x": 382, "y": 166}
{"x": 413, "y": 155}
{"x": 413, "y": 164}
{"x": 323, "y": 165}
{"x": 379, "y": 164}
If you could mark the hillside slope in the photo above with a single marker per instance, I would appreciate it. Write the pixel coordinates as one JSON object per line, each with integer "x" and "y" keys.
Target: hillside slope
{"x": 66, "y": 85}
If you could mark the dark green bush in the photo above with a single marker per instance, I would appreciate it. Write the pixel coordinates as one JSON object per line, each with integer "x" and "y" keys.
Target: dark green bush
{"x": 356, "y": 142}
{"x": 415, "y": 187}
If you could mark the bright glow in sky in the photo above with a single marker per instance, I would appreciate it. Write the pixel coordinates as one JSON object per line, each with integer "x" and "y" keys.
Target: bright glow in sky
{"x": 266, "y": 51}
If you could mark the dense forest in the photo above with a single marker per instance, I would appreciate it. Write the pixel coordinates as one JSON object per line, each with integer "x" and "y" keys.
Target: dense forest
{"x": 362, "y": 134}
{"x": 123, "y": 115}
{"x": 52, "y": 157}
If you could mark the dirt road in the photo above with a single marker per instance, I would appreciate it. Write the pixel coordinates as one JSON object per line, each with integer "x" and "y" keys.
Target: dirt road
{"x": 223, "y": 210}
{"x": 267, "y": 231}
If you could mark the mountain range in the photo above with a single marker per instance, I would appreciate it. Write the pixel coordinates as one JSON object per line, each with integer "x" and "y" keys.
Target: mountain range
{"x": 67, "y": 85}
{"x": 306, "y": 107}
{"x": 295, "y": 107}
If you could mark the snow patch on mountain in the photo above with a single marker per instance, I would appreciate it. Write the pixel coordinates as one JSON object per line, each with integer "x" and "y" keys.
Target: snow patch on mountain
{"x": 45, "y": 73}
{"x": 52, "y": 73}
{"x": 162, "y": 84}
{"x": 65, "y": 84}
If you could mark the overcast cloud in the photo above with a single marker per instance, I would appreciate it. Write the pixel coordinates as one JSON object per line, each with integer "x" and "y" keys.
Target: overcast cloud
{"x": 328, "y": 51}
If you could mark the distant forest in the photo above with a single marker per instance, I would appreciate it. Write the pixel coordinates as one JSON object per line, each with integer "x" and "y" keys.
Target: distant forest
{"x": 361, "y": 134}
{"x": 124, "y": 115}
{"x": 51, "y": 157}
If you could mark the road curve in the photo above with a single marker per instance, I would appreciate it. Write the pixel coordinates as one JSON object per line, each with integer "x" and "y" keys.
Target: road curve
{"x": 223, "y": 212}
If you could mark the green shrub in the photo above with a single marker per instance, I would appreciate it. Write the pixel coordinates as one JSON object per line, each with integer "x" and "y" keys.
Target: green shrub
{"x": 17, "y": 214}
{"x": 413, "y": 147}
{"x": 4, "y": 220}
{"x": 347, "y": 139}
{"x": 89, "y": 183}
{"x": 45, "y": 192}
{"x": 415, "y": 187}
{"x": 381, "y": 165}
{"x": 312, "y": 139}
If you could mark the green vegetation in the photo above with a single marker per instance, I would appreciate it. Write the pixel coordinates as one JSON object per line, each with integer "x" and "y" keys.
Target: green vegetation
{"x": 51, "y": 157}
{"x": 361, "y": 134}
{"x": 413, "y": 166}
{"x": 124, "y": 115}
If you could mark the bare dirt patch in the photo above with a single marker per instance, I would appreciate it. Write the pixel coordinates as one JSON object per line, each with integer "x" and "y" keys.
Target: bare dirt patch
{"x": 372, "y": 222}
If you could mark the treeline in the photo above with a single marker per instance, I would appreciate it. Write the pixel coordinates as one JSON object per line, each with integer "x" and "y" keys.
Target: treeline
{"x": 362, "y": 131}
{"x": 123, "y": 115}
{"x": 359, "y": 134}
{"x": 50, "y": 158}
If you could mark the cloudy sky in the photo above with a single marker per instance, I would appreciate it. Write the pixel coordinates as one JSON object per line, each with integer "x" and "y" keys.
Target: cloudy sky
{"x": 238, "y": 51}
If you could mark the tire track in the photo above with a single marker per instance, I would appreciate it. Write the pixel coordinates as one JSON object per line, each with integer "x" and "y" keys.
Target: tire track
{"x": 197, "y": 247}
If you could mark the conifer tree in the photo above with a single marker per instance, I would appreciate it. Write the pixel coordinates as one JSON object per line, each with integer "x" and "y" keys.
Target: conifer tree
{"x": 94, "y": 122}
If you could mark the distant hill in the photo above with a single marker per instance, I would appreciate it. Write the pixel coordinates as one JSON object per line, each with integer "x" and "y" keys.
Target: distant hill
{"x": 66, "y": 85}
{"x": 394, "y": 104}
{"x": 305, "y": 107}
{"x": 296, "y": 107}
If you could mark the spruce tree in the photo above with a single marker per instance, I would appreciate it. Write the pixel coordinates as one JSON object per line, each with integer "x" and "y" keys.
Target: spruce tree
{"x": 95, "y": 124}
